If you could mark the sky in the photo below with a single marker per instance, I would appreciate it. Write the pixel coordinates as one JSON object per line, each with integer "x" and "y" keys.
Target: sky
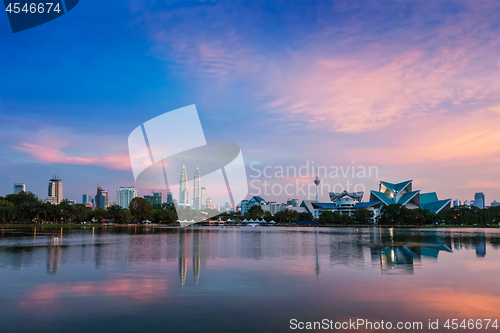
{"x": 409, "y": 89}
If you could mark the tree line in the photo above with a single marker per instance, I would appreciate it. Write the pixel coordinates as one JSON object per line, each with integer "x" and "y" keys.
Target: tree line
{"x": 26, "y": 207}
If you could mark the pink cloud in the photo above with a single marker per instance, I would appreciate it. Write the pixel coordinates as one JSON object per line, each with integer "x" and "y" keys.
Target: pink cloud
{"x": 45, "y": 154}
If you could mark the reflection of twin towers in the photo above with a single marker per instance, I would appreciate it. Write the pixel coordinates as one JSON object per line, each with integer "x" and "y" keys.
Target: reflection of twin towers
{"x": 184, "y": 253}
{"x": 183, "y": 191}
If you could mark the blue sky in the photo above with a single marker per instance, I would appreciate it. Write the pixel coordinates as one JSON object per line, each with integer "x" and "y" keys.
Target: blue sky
{"x": 410, "y": 87}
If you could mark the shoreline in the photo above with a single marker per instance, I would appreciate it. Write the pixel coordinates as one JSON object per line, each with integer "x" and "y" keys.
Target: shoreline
{"x": 130, "y": 225}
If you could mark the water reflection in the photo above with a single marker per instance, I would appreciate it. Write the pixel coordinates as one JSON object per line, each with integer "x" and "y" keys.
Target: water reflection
{"x": 189, "y": 279}
{"x": 396, "y": 251}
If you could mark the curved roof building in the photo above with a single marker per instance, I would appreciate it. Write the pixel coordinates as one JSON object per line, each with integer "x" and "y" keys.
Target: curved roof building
{"x": 403, "y": 193}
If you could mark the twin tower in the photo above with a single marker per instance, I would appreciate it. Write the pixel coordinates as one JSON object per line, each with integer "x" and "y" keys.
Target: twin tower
{"x": 183, "y": 191}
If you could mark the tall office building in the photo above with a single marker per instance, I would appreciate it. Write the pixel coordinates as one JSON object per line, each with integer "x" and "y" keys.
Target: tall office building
{"x": 183, "y": 191}
{"x": 124, "y": 195}
{"x": 203, "y": 197}
{"x": 457, "y": 203}
{"x": 55, "y": 194}
{"x": 170, "y": 198}
{"x": 19, "y": 187}
{"x": 197, "y": 190}
{"x": 154, "y": 199}
{"x": 87, "y": 199}
{"x": 479, "y": 196}
{"x": 101, "y": 198}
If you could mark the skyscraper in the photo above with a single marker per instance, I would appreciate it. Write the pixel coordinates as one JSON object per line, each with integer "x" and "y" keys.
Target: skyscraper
{"x": 55, "y": 194}
{"x": 101, "y": 198}
{"x": 87, "y": 199}
{"x": 203, "y": 197}
{"x": 124, "y": 195}
{"x": 197, "y": 189}
{"x": 479, "y": 196}
{"x": 183, "y": 192}
{"x": 170, "y": 198}
{"x": 19, "y": 187}
{"x": 154, "y": 199}
{"x": 457, "y": 203}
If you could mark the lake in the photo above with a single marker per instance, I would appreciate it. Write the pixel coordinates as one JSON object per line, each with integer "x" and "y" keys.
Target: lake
{"x": 203, "y": 279}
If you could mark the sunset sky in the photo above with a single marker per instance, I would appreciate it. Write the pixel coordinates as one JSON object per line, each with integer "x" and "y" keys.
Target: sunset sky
{"x": 411, "y": 87}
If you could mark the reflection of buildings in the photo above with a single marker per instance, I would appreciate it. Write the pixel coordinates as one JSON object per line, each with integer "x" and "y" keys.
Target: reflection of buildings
{"x": 480, "y": 244}
{"x": 196, "y": 255}
{"x": 398, "y": 253}
{"x": 183, "y": 254}
{"x": 53, "y": 259}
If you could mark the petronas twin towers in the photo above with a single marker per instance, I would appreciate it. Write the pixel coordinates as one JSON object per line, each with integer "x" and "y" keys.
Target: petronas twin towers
{"x": 183, "y": 191}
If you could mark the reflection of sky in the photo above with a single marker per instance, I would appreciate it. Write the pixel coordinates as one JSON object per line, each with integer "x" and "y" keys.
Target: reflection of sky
{"x": 211, "y": 277}
{"x": 410, "y": 87}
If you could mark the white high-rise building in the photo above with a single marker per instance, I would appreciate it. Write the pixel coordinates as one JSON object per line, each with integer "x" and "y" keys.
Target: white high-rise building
{"x": 457, "y": 203}
{"x": 19, "y": 187}
{"x": 124, "y": 195}
{"x": 197, "y": 190}
{"x": 55, "y": 194}
{"x": 203, "y": 197}
{"x": 183, "y": 191}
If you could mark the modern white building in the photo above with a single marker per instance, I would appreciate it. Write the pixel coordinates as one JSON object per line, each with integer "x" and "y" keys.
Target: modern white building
{"x": 183, "y": 191}
{"x": 495, "y": 203}
{"x": 55, "y": 193}
{"x": 266, "y": 206}
{"x": 19, "y": 187}
{"x": 125, "y": 195}
{"x": 457, "y": 203}
{"x": 197, "y": 190}
{"x": 346, "y": 203}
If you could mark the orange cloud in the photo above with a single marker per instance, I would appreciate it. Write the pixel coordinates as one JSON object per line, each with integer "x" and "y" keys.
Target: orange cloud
{"x": 145, "y": 289}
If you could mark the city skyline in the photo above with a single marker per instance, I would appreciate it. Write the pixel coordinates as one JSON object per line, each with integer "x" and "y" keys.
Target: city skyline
{"x": 409, "y": 87}
{"x": 125, "y": 194}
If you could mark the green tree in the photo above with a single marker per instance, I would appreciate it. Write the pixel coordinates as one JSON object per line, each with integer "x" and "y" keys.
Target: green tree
{"x": 6, "y": 211}
{"x": 22, "y": 197}
{"x": 80, "y": 212}
{"x": 304, "y": 216}
{"x": 141, "y": 209}
{"x": 166, "y": 216}
{"x": 329, "y": 217}
{"x": 268, "y": 216}
{"x": 363, "y": 216}
{"x": 255, "y": 212}
{"x": 118, "y": 214}
{"x": 98, "y": 214}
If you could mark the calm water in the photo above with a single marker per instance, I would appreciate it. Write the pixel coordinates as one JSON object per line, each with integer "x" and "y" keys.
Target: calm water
{"x": 243, "y": 280}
